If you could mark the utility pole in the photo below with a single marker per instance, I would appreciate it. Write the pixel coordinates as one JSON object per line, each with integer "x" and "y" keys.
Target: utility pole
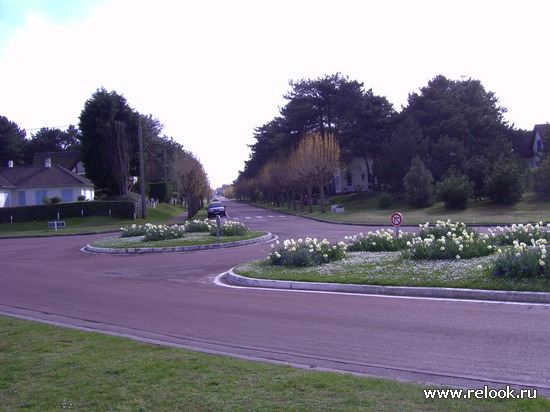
{"x": 141, "y": 172}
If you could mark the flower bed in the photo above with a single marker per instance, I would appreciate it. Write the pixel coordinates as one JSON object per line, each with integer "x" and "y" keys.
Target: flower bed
{"x": 521, "y": 249}
{"x": 308, "y": 252}
{"x": 165, "y": 232}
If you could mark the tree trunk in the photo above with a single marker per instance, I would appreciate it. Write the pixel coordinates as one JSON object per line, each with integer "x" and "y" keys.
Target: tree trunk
{"x": 310, "y": 198}
{"x": 322, "y": 198}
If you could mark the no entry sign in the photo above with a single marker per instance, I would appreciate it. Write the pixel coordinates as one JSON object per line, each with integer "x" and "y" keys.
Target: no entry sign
{"x": 396, "y": 219}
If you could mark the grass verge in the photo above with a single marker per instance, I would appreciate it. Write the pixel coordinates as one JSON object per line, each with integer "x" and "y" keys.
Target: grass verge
{"x": 391, "y": 269}
{"x": 94, "y": 224}
{"x": 363, "y": 208}
{"x": 46, "y": 368}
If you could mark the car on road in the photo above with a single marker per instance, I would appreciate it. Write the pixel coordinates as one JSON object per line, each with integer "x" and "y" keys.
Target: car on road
{"x": 215, "y": 209}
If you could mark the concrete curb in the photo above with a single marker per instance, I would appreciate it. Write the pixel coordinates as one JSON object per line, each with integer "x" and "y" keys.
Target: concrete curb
{"x": 142, "y": 250}
{"x": 424, "y": 292}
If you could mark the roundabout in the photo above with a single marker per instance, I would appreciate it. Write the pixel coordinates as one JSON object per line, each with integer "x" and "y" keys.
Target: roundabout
{"x": 174, "y": 299}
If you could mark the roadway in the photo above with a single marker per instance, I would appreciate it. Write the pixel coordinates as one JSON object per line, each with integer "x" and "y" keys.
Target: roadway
{"x": 174, "y": 299}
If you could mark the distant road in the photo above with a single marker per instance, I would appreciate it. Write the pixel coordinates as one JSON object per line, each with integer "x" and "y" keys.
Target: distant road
{"x": 172, "y": 299}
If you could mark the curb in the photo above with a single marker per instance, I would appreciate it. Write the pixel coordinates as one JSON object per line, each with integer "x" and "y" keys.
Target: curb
{"x": 403, "y": 291}
{"x": 143, "y": 250}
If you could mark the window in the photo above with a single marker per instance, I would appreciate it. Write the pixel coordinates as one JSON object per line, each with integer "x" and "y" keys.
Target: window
{"x": 39, "y": 195}
{"x": 22, "y": 198}
{"x": 66, "y": 195}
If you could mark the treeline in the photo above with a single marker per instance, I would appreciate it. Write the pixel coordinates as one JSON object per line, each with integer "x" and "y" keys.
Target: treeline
{"x": 107, "y": 138}
{"x": 454, "y": 130}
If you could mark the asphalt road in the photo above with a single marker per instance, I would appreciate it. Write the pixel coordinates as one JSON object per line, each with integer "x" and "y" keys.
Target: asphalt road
{"x": 173, "y": 299}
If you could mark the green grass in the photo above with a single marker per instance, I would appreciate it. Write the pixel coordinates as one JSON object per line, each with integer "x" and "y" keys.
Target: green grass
{"x": 188, "y": 240}
{"x": 390, "y": 269}
{"x": 46, "y": 368}
{"x": 91, "y": 224}
{"x": 363, "y": 208}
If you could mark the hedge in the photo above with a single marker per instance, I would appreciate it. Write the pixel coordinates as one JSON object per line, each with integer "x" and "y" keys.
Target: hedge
{"x": 119, "y": 209}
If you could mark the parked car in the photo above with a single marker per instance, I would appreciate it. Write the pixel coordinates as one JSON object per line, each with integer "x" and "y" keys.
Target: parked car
{"x": 216, "y": 208}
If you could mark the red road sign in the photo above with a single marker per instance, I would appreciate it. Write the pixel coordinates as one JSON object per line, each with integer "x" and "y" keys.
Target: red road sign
{"x": 396, "y": 219}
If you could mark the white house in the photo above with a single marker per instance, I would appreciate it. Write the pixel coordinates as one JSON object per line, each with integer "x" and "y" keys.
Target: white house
{"x": 355, "y": 176}
{"x": 27, "y": 186}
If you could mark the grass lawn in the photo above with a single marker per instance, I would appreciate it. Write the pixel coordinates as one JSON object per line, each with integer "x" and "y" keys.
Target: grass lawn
{"x": 94, "y": 224}
{"x": 47, "y": 368}
{"x": 390, "y": 269}
{"x": 363, "y": 208}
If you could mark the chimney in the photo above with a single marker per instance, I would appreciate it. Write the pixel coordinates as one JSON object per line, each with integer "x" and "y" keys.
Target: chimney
{"x": 10, "y": 163}
{"x": 48, "y": 162}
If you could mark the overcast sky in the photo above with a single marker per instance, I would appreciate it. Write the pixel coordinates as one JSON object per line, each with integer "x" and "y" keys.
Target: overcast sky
{"x": 212, "y": 71}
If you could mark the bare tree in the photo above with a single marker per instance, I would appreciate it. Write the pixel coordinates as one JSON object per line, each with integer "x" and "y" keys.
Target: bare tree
{"x": 191, "y": 181}
{"x": 315, "y": 161}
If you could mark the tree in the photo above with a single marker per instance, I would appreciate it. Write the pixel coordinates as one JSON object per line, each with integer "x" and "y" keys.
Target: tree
{"x": 455, "y": 190}
{"x": 316, "y": 160}
{"x": 12, "y": 142}
{"x": 418, "y": 185}
{"x": 119, "y": 161}
{"x": 54, "y": 140}
{"x": 191, "y": 181}
{"x": 504, "y": 180}
{"x": 98, "y": 152}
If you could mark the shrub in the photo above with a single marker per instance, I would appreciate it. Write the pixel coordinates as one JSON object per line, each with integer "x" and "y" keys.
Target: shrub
{"x": 230, "y": 228}
{"x": 199, "y": 225}
{"x": 448, "y": 240}
{"x": 520, "y": 261}
{"x": 504, "y": 182}
{"x": 379, "y": 241}
{"x": 306, "y": 253}
{"x": 385, "y": 201}
{"x": 418, "y": 185}
{"x": 134, "y": 230}
{"x": 81, "y": 198}
{"x": 521, "y": 233}
{"x": 455, "y": 190}
{"x": 163, "y": 232}
{"x": 55, "y": 200}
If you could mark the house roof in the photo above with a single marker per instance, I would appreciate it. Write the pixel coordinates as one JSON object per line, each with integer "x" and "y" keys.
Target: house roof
{"x": 40, "y": 177}
{"x": 68, "y": 160}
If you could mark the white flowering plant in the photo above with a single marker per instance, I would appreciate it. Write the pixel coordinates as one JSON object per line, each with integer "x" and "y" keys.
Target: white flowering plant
{"x": 164, "y": 232}
{"x": 198, "y": 225}
{"x": 523, "y": 261}
{"x": 230, "y": 228}
{"x": 522, "y": 233}
{"x": 308, "y": 252}
{"x": 383, "y": 240}
{"x": 134, "y": 230}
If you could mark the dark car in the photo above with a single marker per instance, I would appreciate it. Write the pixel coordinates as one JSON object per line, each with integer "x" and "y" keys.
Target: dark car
{"x": 216, "y": 208}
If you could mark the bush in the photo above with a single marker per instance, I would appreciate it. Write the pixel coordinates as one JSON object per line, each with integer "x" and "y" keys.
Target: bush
{"x": 81, "y": 198}
{"x": 385, "y": 201}
{"x": 54, "y": 200}
{"x": 164, "y": 232}
{"x": 199, "y": 225}
{"x": 521, "y": 261}
{"x": 455, "y": 190}
{"x": 418, "y": 185}
{"x": 379, "y": 241}
{"x": 521, "y": 233}
{"x": 541, "y": 178}
{"x": 504, "y": 182}
{"x": 448, "y": 240}
{"x": 306, "y": 253}
{"x": 230, "y": 228}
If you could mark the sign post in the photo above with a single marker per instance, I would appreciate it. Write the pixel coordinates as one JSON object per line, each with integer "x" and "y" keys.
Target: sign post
{"x": 396, "y": 220}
